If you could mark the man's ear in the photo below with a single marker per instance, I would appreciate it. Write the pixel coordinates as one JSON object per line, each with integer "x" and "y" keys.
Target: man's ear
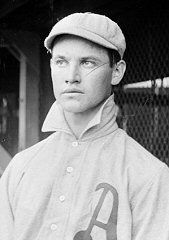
{"x": 118, "y": 72}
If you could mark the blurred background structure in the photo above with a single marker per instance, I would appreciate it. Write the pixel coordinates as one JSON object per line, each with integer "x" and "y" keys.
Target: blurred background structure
{"x": 25, "y": 85}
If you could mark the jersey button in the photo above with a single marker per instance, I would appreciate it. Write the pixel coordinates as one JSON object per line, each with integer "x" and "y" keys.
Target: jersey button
{"x": 62, "y": 198}
{"x": 53, "y": 227}
{"x": 75, "y": 144}
{"x": 69, "y": 169}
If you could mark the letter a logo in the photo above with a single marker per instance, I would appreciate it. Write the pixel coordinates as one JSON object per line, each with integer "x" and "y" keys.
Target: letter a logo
{"x": 111, "y": 226}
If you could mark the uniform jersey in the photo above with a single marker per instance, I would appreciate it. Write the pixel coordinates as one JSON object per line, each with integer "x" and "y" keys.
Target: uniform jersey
{"x": 101, "y": 186}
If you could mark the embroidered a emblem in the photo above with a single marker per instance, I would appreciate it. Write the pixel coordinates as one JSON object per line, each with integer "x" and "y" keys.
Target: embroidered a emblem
{"x": 111, "y": 226}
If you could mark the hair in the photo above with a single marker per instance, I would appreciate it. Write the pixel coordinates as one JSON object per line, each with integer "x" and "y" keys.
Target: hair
{"x": 114, "y": 56}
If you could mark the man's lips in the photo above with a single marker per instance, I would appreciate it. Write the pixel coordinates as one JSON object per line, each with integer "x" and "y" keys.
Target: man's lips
{"x": 72, "y": 90}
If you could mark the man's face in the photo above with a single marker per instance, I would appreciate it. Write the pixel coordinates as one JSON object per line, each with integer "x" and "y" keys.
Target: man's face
{"x": 81, "y": 74}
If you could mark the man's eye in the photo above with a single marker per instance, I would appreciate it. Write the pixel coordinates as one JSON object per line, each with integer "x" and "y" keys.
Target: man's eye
{"x": 60, "y": 62}
{"x": 89, "y": 64}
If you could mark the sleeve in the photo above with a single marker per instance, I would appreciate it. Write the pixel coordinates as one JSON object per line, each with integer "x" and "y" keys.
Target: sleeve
{"x": 8, "y": 184}
{"x": 6, "y": 215}
{"x": 150, "y": 211}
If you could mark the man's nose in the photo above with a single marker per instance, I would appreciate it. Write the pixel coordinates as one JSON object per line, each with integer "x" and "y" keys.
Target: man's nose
{"x": 73, "y": 75}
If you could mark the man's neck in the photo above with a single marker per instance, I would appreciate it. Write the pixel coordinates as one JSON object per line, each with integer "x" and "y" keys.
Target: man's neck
{"x": 79, "y": 121}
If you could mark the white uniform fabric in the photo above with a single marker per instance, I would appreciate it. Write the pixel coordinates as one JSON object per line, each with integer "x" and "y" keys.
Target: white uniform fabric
{"x": 103, "y": 185}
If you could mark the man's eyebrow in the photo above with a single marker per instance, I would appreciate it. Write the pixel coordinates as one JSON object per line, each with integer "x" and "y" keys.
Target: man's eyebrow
{"x": 91, "y": 57}
{"x": 59, "y": 56}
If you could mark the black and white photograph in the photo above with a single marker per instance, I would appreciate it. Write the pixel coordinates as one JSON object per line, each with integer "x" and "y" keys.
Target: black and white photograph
{"x": 84, "y": 120}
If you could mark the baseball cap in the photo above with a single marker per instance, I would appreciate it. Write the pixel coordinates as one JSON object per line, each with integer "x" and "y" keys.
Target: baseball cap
{"x": 93, "y": 27}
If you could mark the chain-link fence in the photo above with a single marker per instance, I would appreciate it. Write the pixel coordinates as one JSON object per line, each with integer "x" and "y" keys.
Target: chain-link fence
{"x": 144, "y": 107}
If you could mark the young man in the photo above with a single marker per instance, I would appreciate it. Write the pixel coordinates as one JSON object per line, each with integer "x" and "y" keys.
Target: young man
{"x": 89, "y": 179}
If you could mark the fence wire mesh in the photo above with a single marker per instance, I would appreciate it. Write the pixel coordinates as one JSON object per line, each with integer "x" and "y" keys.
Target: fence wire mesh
{"x": 144, "y": 109}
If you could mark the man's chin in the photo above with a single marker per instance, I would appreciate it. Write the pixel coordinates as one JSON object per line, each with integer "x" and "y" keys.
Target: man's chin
{"x": 72, "y": 108}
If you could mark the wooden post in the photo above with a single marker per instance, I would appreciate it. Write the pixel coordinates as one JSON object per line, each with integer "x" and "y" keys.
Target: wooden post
{"x": 22, "y": 104}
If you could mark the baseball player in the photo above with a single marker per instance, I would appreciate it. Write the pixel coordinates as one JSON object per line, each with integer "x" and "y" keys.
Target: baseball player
{"x": 88, "y": 179}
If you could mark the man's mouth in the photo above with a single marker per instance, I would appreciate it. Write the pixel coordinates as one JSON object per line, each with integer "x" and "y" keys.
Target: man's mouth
{"x": 72, "y": 90}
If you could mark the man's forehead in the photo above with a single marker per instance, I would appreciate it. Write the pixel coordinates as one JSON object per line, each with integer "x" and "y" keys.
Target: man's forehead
{"x": 76, "y": 39}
